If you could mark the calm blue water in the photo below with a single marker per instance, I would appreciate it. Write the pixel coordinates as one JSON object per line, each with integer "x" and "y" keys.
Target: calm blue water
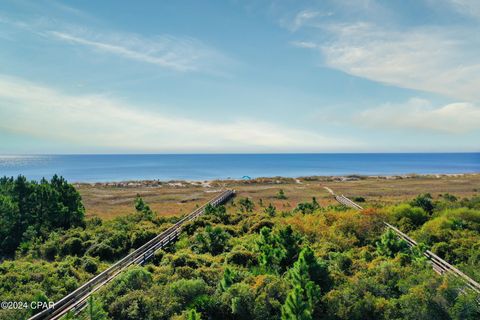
{"x": 97, "y": 168}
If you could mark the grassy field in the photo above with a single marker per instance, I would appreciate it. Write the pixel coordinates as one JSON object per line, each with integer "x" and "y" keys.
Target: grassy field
{"x": 175, "y": 198}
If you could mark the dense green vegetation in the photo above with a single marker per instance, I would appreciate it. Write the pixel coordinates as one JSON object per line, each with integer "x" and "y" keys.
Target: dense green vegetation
{"x": 247, "y": 260}
{"x": 448, "y": 226}
{"x": 53, "y": 249}
{"x": 31, "y": 210}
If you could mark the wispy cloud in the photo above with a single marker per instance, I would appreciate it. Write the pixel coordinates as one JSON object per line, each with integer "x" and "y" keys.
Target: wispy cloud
{"x": 101, "y": 121}
{"x": 304, "y": 44}
{"x": 176, "y": 53}
{"x": 422, "y": 115}
{"x": 307, "y": 17}
{"x": 173, "y": 52}
{"x": 434, "y": 59}
{"x": 374, "y": 40}
{"x": 466, "y": 7}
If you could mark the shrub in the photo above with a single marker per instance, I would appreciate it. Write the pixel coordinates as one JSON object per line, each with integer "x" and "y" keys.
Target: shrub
{"x": 308, "y": 207}
{"x": 141, "y": 237}
{"x": 134, "y": 305}
{"x": 278, "y": 250}
{"x": 270, "y": 210}
{"x": 102, "y": 250}
{"x": 212, "y": 240}
{"x": 242, "y": 257}
{"x": 51, "y": 247}
{"x": 281, "y": 195}
{"x": 188, "y": 289}
{"x": 359, "y": 199}
{"x": 389, "y": 244}
{"x": 240, "y": 301}
{"x": 90, "y": 265}
{"x": 424, "y": 201}
{"x": 191, "y": 227}
{"x": 408, "y": 217}
{"x": 246, "y": 205}
{"x": 72, "y": 246}
{"x": 261, "y": 224}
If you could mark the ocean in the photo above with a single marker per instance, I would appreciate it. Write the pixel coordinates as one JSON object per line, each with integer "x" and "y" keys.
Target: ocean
{"x": 103, "y": 168}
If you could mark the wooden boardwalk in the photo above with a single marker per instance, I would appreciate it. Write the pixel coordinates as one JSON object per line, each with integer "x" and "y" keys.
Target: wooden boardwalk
{"x": 438, "y": 264}
{"x": 77, "y": 299}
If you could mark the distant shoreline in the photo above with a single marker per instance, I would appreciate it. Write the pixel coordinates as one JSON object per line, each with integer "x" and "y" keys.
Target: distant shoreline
{"x": 226, "y": 167}
{"x": 265, "y": 180}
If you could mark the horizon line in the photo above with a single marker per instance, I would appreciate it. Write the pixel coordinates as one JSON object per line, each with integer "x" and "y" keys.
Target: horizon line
{"x": 240, "y": 153}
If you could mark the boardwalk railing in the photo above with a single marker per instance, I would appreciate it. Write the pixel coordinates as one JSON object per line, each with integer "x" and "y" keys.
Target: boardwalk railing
{"x": 347, "y": 202}
{"x": 77, "y": 298}
{"x": 439, "y": 265}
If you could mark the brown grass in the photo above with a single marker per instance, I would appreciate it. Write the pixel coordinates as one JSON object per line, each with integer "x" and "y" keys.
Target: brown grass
{"x": 108, "y": 202}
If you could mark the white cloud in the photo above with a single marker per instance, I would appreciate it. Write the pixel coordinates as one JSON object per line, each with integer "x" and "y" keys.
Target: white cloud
{"x": 176, "y": 53}
{"x": 467, "y": 7}
{"x": 99, "y": 121}
{"x": 420, "y": 114}
{"x": 369, "y": 39}
{"x": 305, "y": 44}
{"x": 183, "y": 54}
{"x": 436, "y": 59}
{"x": 307, "y": 17}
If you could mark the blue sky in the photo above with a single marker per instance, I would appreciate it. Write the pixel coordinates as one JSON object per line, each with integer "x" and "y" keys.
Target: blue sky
{"x": 239, "y": 76}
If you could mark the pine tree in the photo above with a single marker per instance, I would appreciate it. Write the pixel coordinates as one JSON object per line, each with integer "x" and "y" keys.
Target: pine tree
{"x": 209, "y": 209}
{"x": 192, "y": 314}
{"x": 227, "y": 279}
{"x": 305, "y": 276}
{"x": 299, "y": 275}
{"x": 289, "y": 241}
{"x": 246, "y": 205}
{"x": 425, "y": 202}
{"x": 281, "y": 195}
{"x": 317, "y": 271}
{"x": 271, "y": 253}
{"x": 95, "y": 310}
{"x": 270, "y": 210}
{"x": 295, "y": 307}
{"x": 278, "y": 250}
{"x": 308, "y": 207}
{"x": 260, "y": 202}
{"x": 389, "y": 244}
{"x": 142, "y": 207}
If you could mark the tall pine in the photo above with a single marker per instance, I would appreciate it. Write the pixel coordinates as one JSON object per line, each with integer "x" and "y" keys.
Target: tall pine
{"x": 305, "y": 276}
{"x": 295, "y": 307}
{"x": 227, "y": 280}
{"x": 192, "y": 314}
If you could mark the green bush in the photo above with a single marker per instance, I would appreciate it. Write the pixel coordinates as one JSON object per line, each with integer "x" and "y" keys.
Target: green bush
{"x": 211, "y": 240}
{"x": 242, "y": 258}
{"x": 308, "y": 207}
{"x": 72, "y": 246}
{"x": 89, "y": 265}
{"x": 408, "y": 218}
{"x": 102, "y": 250}
{"x": 425, "y": 202}
{"x": 389, "y": 244}
{"x": 281, "y": 195}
